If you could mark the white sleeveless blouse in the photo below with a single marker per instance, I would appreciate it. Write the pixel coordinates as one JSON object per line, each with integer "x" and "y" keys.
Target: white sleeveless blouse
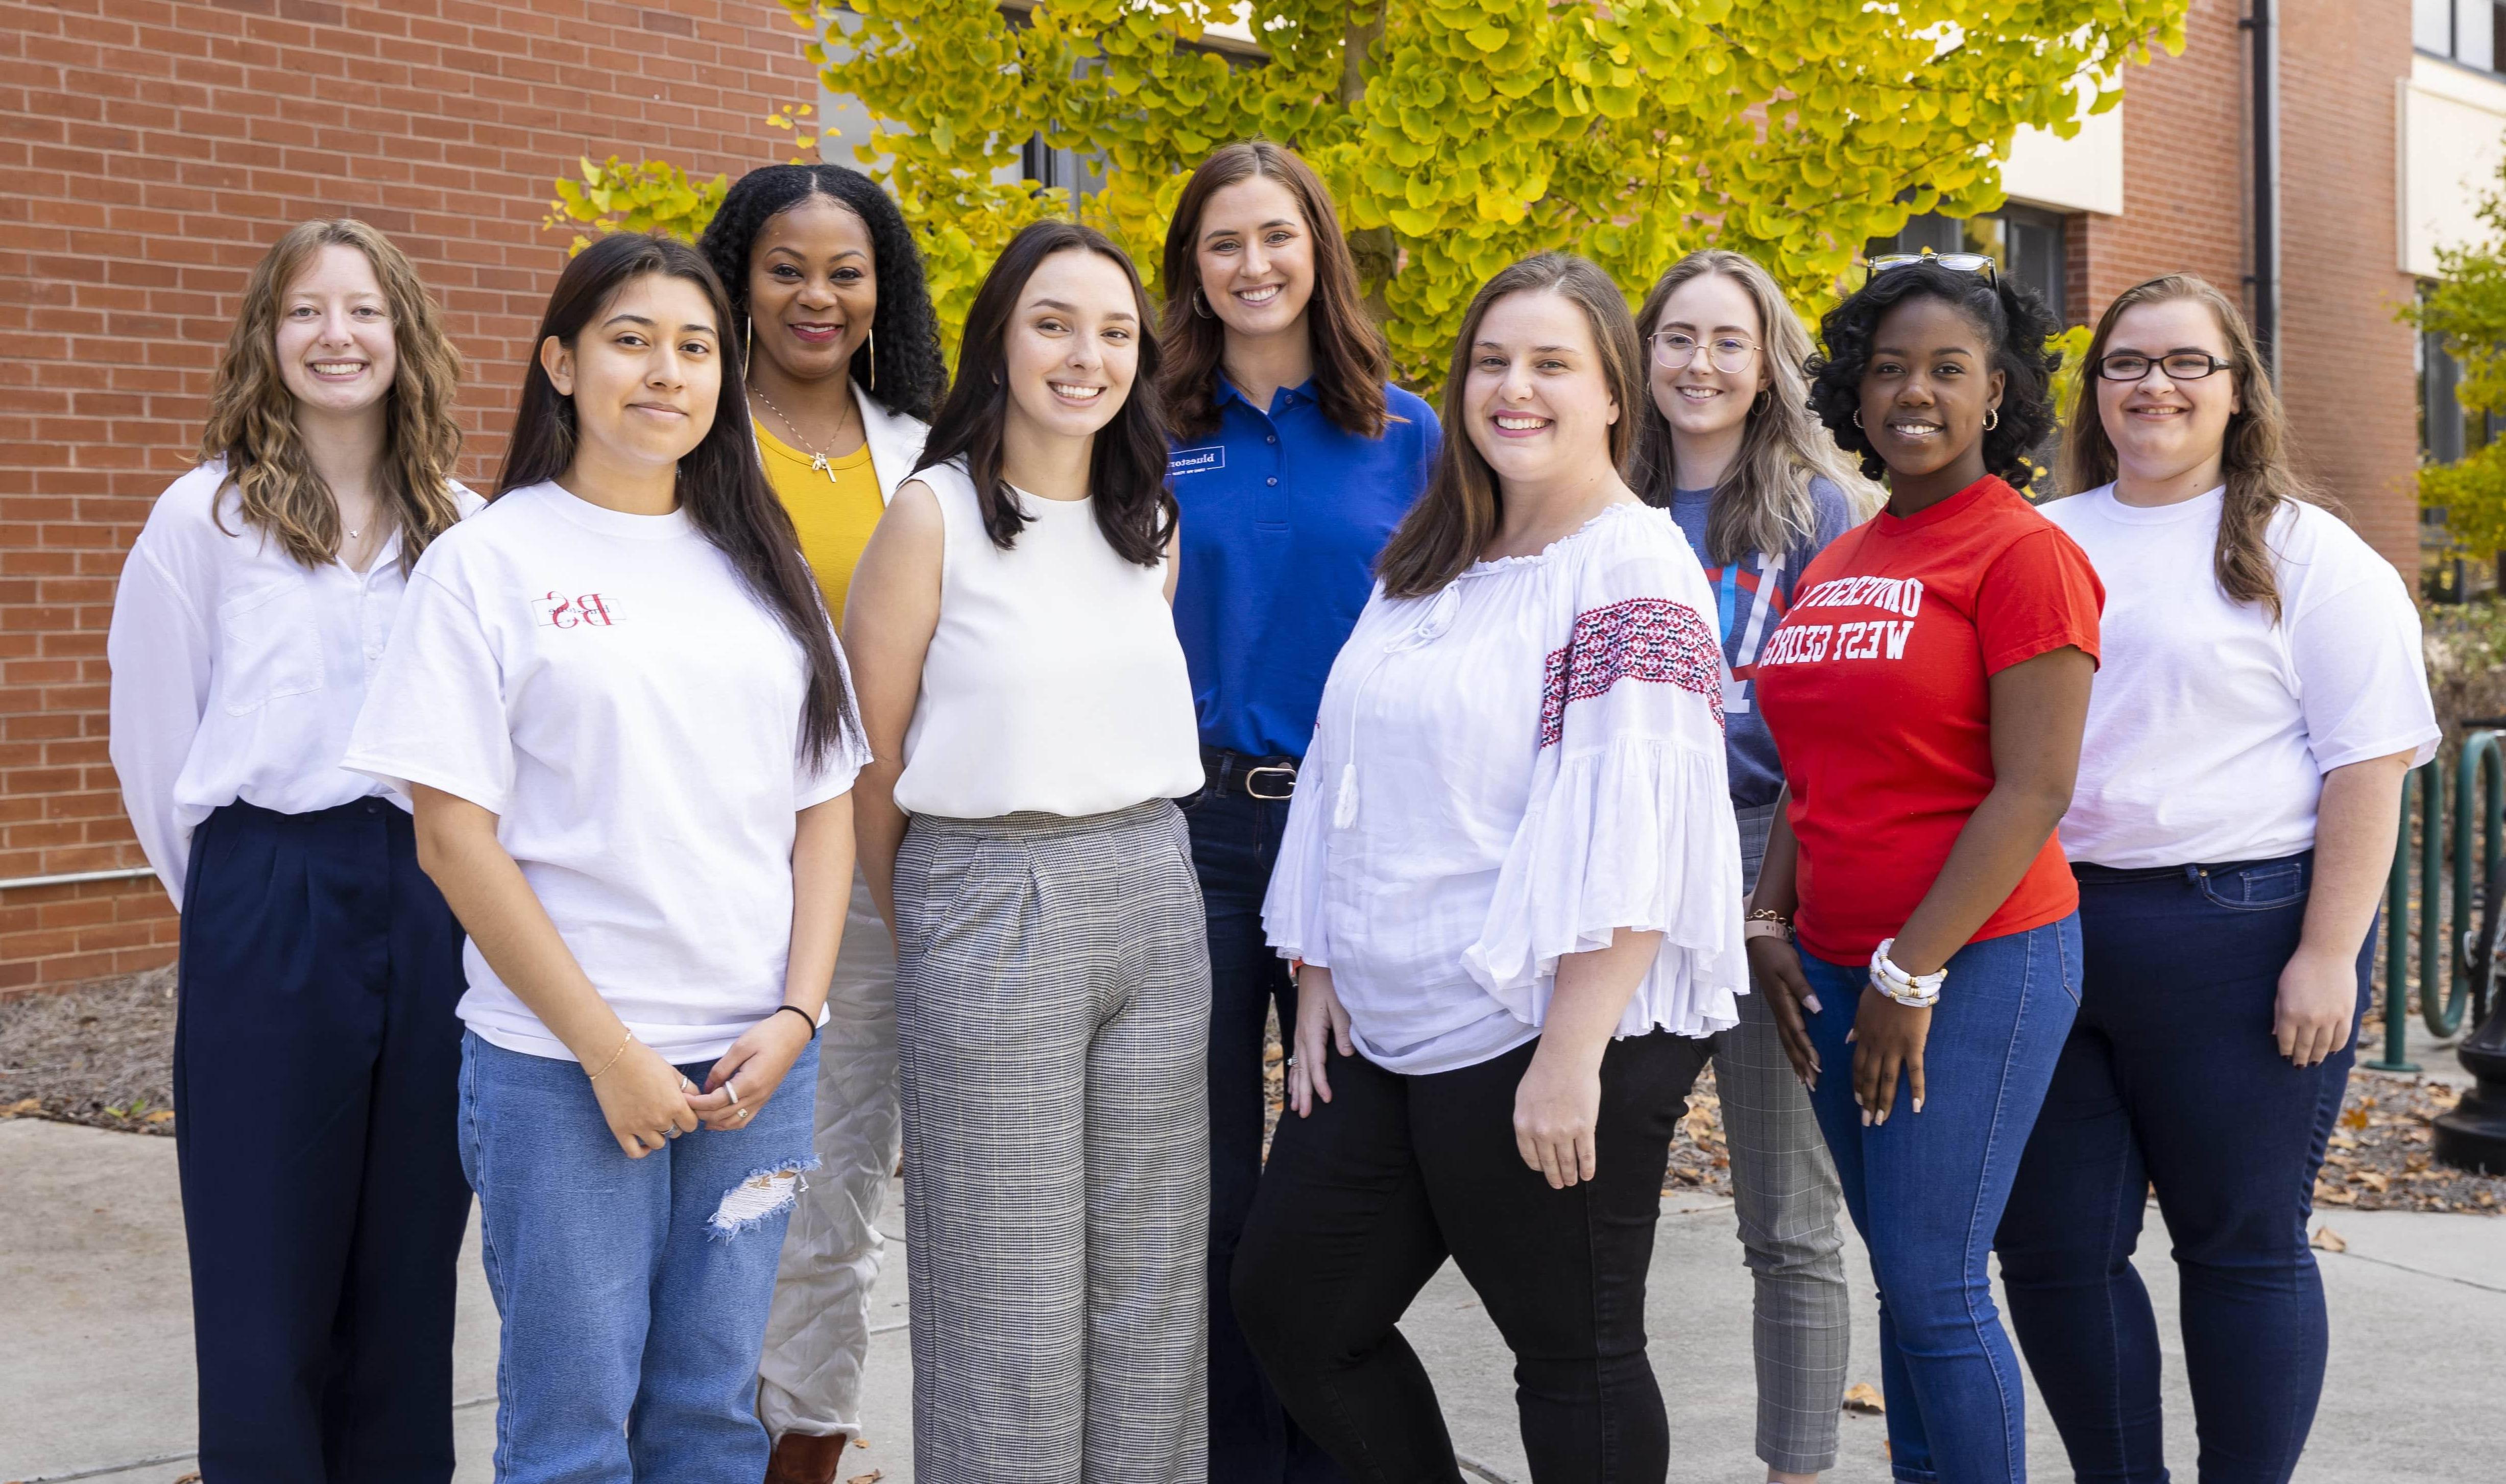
{"x": 1054, "y": 683}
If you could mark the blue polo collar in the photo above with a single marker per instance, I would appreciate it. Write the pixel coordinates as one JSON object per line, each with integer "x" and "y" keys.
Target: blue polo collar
{"x": 1287, "y": 397}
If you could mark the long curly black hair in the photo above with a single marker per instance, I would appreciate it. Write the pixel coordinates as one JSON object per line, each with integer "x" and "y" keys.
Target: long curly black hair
{"x": 2014, "y": 323}
{"x": 912, "y": 377}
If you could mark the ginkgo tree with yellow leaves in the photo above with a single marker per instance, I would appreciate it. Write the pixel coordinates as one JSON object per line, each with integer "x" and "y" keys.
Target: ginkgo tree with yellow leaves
{"x": 1459, "y": 135}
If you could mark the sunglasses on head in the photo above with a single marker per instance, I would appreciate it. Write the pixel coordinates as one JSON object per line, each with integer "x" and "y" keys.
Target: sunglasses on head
{"x": 1962, "y": 262}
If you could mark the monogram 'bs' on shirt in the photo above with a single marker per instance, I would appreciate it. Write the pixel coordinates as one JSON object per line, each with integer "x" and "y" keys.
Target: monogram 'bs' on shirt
{"x": 608, "y": 686}
{"x": 1876, "y": 687}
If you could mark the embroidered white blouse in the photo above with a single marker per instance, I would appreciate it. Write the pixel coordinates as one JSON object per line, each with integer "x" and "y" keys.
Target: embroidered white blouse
{"x": 1507, "y": 773}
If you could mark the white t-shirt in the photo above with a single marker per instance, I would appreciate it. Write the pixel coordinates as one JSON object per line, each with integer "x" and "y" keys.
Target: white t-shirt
{"x": 2210, "y": 727}
{"x": 607, "y": 685}
{"x": 237, "y": 670}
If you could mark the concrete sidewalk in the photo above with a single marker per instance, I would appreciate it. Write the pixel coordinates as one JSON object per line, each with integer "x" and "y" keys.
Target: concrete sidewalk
{"x": 96, "y": 1382}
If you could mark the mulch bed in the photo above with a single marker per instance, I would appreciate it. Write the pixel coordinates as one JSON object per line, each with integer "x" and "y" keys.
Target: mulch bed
{"x": 101, "y": 1054}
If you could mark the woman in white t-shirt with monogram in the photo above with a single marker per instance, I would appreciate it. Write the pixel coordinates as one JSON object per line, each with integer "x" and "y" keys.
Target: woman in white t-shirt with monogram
{"x": 616, "y": 701}
{"x": 2262, "y": 696}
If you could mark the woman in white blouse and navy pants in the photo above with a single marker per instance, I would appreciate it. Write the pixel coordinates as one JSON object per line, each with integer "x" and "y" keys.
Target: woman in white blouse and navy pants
{"x": 1511, "y": 879}
{"x": 315, "y": 1051}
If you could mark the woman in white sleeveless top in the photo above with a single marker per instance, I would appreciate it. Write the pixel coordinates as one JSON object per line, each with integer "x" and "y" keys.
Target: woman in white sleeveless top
{"x": 1027, "y": 705}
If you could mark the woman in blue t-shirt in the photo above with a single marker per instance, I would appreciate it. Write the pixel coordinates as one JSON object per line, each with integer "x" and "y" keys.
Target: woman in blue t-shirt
{"x": 1759, "y": 490}
{"x": 1293, "y": 459}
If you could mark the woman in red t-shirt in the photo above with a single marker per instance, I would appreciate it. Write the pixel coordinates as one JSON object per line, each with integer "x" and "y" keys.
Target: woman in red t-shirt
{"x": 1926, "y": 693}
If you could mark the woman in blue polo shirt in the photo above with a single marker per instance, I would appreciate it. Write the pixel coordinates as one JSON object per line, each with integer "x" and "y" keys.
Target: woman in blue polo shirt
{"x": 1293, "y": 460}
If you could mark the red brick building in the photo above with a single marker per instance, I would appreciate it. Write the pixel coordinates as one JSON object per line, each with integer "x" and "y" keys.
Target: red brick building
{"x": 152, "y": 150}
{"x": 154, "y": 147}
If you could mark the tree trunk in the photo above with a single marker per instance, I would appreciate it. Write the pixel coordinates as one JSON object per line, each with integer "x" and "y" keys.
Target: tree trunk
{"x": 1374, "y": 249}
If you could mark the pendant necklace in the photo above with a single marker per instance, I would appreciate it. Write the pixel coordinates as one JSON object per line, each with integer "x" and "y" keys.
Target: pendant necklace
{"x": 818, "y": 460}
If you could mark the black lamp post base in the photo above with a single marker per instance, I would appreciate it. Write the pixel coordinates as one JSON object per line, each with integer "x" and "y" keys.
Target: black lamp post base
{"x": 2473, "y": 1136}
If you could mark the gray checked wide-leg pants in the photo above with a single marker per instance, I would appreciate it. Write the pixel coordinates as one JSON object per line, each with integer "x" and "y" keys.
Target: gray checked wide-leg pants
{"x": 1053, "y": 1024}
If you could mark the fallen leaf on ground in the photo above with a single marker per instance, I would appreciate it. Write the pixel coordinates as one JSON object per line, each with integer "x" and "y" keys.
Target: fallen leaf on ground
{"x": 22, "y": 1108}
{"x": 160, "y": 1115}
{"x": 2326, "y": 1240}
{"x": 1864, "y": 1397}
{"x": 871, "y": 1477}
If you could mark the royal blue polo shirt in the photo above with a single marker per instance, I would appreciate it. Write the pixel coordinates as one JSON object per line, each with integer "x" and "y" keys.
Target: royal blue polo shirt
{"x": 1283, "y": 514}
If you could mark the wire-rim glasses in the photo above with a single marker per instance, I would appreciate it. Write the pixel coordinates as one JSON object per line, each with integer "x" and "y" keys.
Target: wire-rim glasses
{"x": 1675, "y": 350}
{"x": 2178, "y": 365}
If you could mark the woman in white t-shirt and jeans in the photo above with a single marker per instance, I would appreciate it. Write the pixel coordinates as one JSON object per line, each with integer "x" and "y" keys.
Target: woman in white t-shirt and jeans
{"x": 616, "y": 701}
{"x": 2262, "y": 696}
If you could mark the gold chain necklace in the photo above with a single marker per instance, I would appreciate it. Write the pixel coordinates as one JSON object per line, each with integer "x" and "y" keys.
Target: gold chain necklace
{"x": 818, "y": 460}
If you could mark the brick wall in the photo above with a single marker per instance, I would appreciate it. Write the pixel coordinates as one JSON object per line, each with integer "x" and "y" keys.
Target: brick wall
{"x": 2345, "y": 366}
{"x": 2345, "y": 363}
{"x": 152, "y": 150}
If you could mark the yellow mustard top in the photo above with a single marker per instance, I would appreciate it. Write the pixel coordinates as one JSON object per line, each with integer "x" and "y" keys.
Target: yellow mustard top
{"x": 834, "y": 509}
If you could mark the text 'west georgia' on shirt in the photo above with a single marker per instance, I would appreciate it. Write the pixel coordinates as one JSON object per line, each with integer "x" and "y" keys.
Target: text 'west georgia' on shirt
{"x": 2211, "y": 725}
{"x": 1285, "y": 511}
{"x": 609, "y": 687}
{"x": 237, "y": 670}
{"x": 1054, "y": 683}
{"x": 1509, "y": 772}
{"x": 1876, "y": 687}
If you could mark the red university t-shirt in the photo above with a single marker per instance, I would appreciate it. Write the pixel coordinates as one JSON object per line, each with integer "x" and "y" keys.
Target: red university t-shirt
{"x": 1874, "y": 686}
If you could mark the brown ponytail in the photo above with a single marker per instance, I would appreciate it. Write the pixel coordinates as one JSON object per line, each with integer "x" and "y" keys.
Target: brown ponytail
{"x": 2254, "y": 457}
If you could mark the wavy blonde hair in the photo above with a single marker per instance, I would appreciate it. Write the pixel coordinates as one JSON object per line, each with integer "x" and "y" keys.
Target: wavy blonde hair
{"x": 1762, "y": 503}
{"x": 2254, "y": 457}
{"x": 252, "y": 415}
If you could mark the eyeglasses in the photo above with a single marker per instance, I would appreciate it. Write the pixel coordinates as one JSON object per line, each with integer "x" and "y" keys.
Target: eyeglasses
{"x": 2179, "y": 366}
{"x": 1675, "y": 350}
{"x": 1962, "y": 262}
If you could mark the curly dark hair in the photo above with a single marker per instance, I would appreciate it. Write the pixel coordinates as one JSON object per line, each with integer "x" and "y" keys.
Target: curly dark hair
{"x": 912, "y": 377}
{"x": 2016, "y": 324}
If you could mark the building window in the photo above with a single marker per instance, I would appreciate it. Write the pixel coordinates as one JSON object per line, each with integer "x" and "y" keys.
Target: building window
{"x": 2026, "y": 242}
{"x": 2465, "y": 31}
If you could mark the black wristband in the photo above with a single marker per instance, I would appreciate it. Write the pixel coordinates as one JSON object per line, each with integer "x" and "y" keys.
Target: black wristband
{"x": 807, "y": 1020}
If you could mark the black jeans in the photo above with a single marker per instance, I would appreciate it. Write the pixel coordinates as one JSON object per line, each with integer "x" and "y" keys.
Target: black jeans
{"x": 1363, "y": 1202}
{"x": 2171, "y": 1079}
{"x": 1235, "y": 843}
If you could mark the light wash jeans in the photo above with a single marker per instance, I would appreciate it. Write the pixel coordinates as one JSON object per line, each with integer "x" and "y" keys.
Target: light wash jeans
{"x": 633, "y": 1291}
{"x": 1926, "y": 1189}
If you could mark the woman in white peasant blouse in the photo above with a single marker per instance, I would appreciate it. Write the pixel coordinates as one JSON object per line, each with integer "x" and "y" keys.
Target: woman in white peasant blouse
{"x": 1511, "y": 880}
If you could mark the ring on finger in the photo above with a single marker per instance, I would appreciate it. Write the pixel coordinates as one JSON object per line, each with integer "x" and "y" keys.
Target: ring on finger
{"x": 744, "y": 1116}
{"x": 733, "y": 1088}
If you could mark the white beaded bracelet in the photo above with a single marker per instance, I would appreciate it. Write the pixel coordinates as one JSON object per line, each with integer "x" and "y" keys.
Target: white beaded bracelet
{"x": 1915, "y": 991}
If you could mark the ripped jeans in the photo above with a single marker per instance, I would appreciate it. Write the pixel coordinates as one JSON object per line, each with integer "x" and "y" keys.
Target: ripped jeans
{"x": 633, "y": 1291}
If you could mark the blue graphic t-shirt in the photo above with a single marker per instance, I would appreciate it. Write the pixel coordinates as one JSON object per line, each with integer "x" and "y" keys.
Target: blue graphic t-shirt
{"x": 1751, "y": 597}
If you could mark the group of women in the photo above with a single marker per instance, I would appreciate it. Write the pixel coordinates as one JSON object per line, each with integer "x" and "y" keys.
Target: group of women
{"x": 1520, "y": 757}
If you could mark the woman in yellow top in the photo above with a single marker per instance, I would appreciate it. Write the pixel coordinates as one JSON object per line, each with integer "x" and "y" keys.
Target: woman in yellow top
{"x": 841, "y": 356}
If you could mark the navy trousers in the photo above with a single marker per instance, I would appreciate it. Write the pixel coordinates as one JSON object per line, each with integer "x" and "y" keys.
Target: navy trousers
{"x": 1234, "y": 843}
{"x": 317, "y": 1066}
{"x": 2171, "y": 1080}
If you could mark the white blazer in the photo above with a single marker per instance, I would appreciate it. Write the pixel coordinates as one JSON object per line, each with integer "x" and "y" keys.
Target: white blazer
{"x": 895, "y": 441}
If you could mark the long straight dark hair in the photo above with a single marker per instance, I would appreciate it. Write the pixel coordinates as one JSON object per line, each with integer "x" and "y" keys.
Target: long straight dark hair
{"x": 1127, "y": 466}
{"x": 722, "y": 487}
{"x": 1351, "y": 358}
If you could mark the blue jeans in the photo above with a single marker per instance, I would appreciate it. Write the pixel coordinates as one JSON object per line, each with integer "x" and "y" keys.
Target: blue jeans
{"x": 1926, "y": 1190}
{"x": 632, "y": 1319}
{"x": 2172, "y": 1079}
{"x": 1234, "y": 843}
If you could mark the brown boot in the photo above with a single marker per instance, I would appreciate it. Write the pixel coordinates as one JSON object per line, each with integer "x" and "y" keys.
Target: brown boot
{"x": 801, "y": 1459}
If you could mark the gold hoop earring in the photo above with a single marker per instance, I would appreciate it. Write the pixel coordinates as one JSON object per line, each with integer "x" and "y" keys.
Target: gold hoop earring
{"x": 1992, "y": 418}
{"x": 1758, "y": 404}
{"x": 747, "y": 343}
{"x": 873, "y": 348}
{"x": 1200, "y": 306}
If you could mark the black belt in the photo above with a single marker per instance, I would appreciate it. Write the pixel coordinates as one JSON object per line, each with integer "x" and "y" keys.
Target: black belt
{"x": 1273, "y": 780}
